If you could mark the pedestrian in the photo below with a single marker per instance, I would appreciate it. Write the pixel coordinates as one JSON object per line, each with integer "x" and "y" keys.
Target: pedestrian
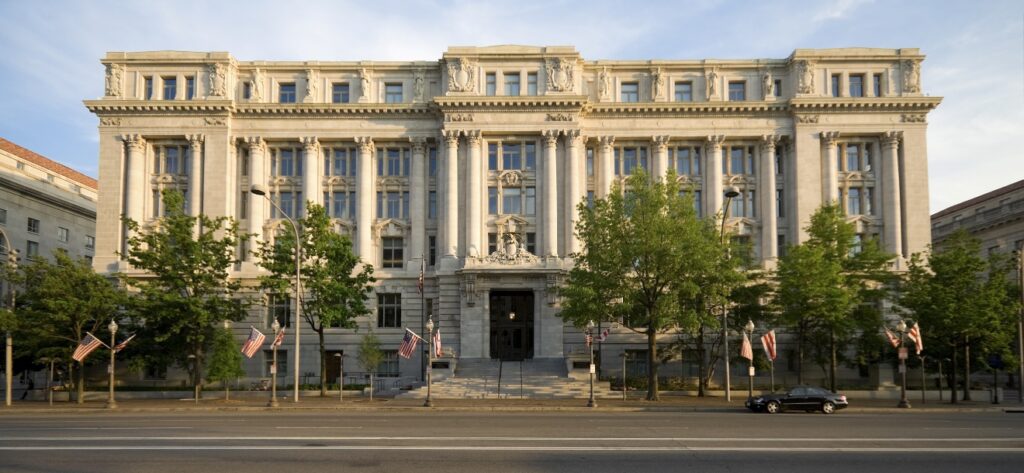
{"x": 31, "y": 386}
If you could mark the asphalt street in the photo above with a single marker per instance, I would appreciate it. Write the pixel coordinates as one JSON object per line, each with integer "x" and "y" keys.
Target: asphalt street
{"x": 493, "y": 442}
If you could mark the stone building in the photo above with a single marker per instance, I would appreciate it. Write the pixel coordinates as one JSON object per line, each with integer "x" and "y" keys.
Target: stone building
{"x": 996, "y": 218}
{"x": 474, "y": 163}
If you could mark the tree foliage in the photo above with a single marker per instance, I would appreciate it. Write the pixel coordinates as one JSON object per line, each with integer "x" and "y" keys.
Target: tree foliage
{"x": 225, "y": 359}
{"x": 370, "y": 355}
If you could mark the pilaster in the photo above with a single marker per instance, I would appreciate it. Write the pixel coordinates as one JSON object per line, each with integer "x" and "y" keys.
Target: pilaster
{"x": 365, "y": 200}
{"x": 474, "y": 223}
{"x": 311, "y": 173}
{"x": 713, "y": 174}
{"x": 550, "y": 194}
{"x": 830, "y": 179}
{"x": 606, "y": 172}
{"x": 660, "y": 156}
{"x": 418, "y": 200}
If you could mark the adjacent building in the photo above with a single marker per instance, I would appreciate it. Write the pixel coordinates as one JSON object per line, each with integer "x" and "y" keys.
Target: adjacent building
{"x": 996, "y": 218}
{"x": 472, "y": 165}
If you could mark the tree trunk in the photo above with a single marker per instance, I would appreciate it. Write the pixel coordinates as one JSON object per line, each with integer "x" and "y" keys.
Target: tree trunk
{"x": 198, "y": 371}
{"x": 80, "y": 389}
{"x": 952, "y": 373}
{"x": 800, "y": 355}
{"x": 701, "y": 380}
{"x": 832, "y": 368}
{"x": 323, "y": 364}
{"x": 652, "y": 367}
{"x": 967, "y": 369}
{"x": 371, "y": 385}
{"x": 227, "y": 392}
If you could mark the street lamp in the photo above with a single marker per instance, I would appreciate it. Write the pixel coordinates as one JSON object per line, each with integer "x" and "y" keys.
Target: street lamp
{"x": 901, "y": 327}
{"x": 112, "y": 327}
{"x": 341, "y": 376}
{"x": 430, "y": 361}
{"x": 1020, "y": 326}
{"x": 260, "y": 190}
{"x": 750, "y": 370}
{"x": 12, "y": 261}
{"x": 730, "y": 193}
{"x": 49, "y": 380}
{"x": 625, "y": 387}
{"x": 276, "y": 327}
{"x": 589, "y": 333}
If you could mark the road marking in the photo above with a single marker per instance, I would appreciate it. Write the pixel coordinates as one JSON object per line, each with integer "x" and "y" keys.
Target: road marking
{"x": 523, "y": 448}
{"x": 22, "y": 429}
{"x": 522, "y": 439}
{"x": 306, "y": 427}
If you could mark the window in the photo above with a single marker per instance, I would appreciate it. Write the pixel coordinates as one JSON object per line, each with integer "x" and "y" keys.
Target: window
{"x": 636, "y": 363}
{"x": 148, "y": 93}
{"x": 778, "y": 87}
{"x": 170, "y": 159}
{"x": 631, "y": 159}
{"x": 3, "y": 216}
{"x": 531, "y": 243}
{"x": 431, "y": 250}
{"x": 341, "y": 204}
{"x": 744, "y": 205}
{"x": 737, "y": 91}
{"x": 780, "y": 205}
{"x": 741, "y": 160}
{"x": 877, "y": 85}
{"x": 388, "y": 367}
{"x": 243, "y": 205}
{"x": 190, "y": 88}
{"x": 835, "y": 85}
{"x": 869, "y": 196}
{"x": 432, "y": 162}
{"x": 285, "y": 162}
{"x": 492, "y": 243}
{"x": 684, "y": 91}
{"x": 698, "y": 203}
{"x": 340, "y": 162}
{"x": 290, "y": 203}
{"x": 590, "y": 199}
{"x": 531, "y": 201}
{"x": 858, "y": 244}
{"x": 392, "y": 93}
{"x": 393, "y": 161}
{"x": 511, "y": 84}
{"x": 685, "y": 160}
{"x": 170, "y": 87}
{"x": 630, "y": 92}
{"x": 852, "y": 157}
{"x": 432, "y": 205}
{"x": 90, "y": 242}
{"x": 33, "y": 225}
{"x": 31, "y": 249}
{"x": 492, "y": 83}
{"x": 393, "y": 204}
{"x": 590, "y": 162}
{"x": 856, "y": 86}
{"x": 389, "y": 310}
{"x": 286, "y": 93}
{"x": 279, "y": 308}
{"x": 62, "y": 234}
{"x": 512, "y": 201}
{"x": 853, "y": 201}
{"x": 339, "y": 93}
{"x": 780, "y": 245}
{"x": 779, "y": 160}
{"x": 531, "y": 83}
{"x": 282, "y": 362}
{"x": 392, "y": 256}
{"x": 512, "y": 155}
{"x": 247, "y": 90}
{"x": 492, "y": 200}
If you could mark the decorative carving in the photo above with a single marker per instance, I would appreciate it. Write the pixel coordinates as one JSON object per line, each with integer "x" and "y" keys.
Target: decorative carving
{"x": 215, "y": 121}
{"x": 461, "y": 75}
{"x": 912, "y": 118}
{"x": 714, "y": 142}
{"x": 911, "y": 76}
{"x": 560, "y": 117}
{"x": 419, "y": 144}
{"x": 468, "y": 288}
{"x": 365, "y": 144}
{"x": 364, "y": 85}
{"x": 311, "y": 146}
{"x": 807, "y": 118}
{"x": 552, "y": 283}
{"x": 892, "y": 138}
{"x": 110, "y": 121}
{"x": 560, "y": 74}
{"x": 256, "y": 144}
{"x": 550, "y": 138}
{"x": 195, "y": 141}
{"x": 389, "y": 228}
{"x": 805, "y": 77}
{"x": 711, "y": 83}
{"x": 511, "y": 248}
{"x": 451, "y": 137}
{"x": 256, "y": 95}
{"x": 661, "y": 142}
{"x": 657, "y": 84}
{"x": 604, "y": 84}
{"x": 768, "y": 143}
{"x": 311, "y": 86}
{"x": 418, "y": 90}
{"x": 115, "y": 74}
{"x": 458, "y": 117}
{"x": 829, "y": 137}
{"x": 767, "y": 85}
{"x": 218, "y": 80}
{"x": 135, "y": 143}
{"x": 472, "y": 138}
{"x": 574, "y": 137}
{"x": 606, "y": 142}
{"x": 513, "y": 178}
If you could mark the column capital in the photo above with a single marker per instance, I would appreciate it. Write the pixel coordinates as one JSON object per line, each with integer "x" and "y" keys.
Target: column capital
{"x": 606, "y": 141}
{"x": 365, "y": 144}
{"x": 550, "y": 137}
{"x": 256, "y": 143}
{"x": 451, "y": 137}
{"x": 195, "y": 140}
{"x": 830, "y": 137}
{"x": 472, "y": 137}
{"x": 768, "y": 142}
{"x": 892, "y": 138}
{"x": 715, "y": 141}
{"x": 419, "y": 143}
{"x": 134, "y": 142}
{"x": 661, "y": 142}
{"x": 310, "y": 144}
{"x": 574, "y": 137}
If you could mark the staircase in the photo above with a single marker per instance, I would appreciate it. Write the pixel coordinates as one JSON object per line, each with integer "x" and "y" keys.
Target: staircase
{"x": 529, "y": 379}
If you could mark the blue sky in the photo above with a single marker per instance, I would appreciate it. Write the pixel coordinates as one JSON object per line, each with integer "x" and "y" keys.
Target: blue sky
{"x": 51, "y": 51}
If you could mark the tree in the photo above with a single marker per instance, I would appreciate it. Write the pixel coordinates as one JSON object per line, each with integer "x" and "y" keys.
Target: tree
{"x": 647, "y": 247}
{"x": 370, "y": 356}
{"x": 225, "y": 360}
{"x": 335, "y": 287}
{"x": 61, "y": 301}
{"x": 185, "y": 291}
{"x": 829, "y": 283}
{"x": 960, "y": 298}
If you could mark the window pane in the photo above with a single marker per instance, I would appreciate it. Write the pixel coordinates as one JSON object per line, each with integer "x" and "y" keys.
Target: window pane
{"x": 170, "y": 88}
{"x": 852, "y": 158}
{"x": 492, "y": 156}
{"x": 853, "y": 202}
{"x": 286, "y": 93}
{"x": 630, "y": 92}
{"x": 339, "y": 93}
{"x": 531, "y": 83}
{"x": 492, "y": 83}
{"x": 511, "y": 156}
{"x": 684, "y": 91}
{"x": 492, "y": 200}
{"x": 736, "y": 161}
{"x": 511, "y": 201}
{"x": 511, "y": 84}
{"x": 531, "y": 156}
{"x": 531, "y": 201}
{"x": 856, "y": 86}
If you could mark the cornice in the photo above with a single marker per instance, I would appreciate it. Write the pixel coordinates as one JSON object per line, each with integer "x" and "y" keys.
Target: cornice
{"x": 884, "y": 104}
{"x": 122, "y": 106}
{"x": 333, "y": 109}
{"x": 488, "y": 103}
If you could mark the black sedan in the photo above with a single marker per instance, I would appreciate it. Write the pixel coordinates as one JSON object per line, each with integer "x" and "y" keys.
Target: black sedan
{"x": 806, "y": 398}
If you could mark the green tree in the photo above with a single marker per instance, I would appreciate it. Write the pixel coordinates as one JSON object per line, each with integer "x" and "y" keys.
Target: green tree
{"x": 184, "y": 292}
{"x": 370, "y": 356}
{"x": 827, "y": 284}
{"x": 335, "y": 287}
{"x": 960, "y": 298}
{"x": 225, "y": 360}
{"x": 647, "y": 248}
{"x": 60, "y": 301}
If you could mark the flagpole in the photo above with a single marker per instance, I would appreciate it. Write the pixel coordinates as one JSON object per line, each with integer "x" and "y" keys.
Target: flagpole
{"x": 423, "y": 318}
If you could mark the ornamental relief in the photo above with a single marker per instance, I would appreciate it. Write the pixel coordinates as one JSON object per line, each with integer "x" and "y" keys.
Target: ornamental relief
{"x": 912, "y": 118}
{"x": 511, "y": 248}
{"x": 461, "y": 75}
{"x": 110, "y": 121}
{"x": 285, "y": 181}
{"x": 805, "y": 77}
{"x": 807, "y": 118}
{"x": 115, "y": 75}
{"x": 560, "y": 117}
{"x": 561, "y": 74}
{"x": 911, "y": 76}
{"x": 389, "y": 227}
{"x": 458, "y": 117}
{"x": 511, "y": 178}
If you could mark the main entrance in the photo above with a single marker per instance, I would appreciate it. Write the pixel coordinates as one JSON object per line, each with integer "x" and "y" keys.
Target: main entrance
{"x": 511, "y": 325}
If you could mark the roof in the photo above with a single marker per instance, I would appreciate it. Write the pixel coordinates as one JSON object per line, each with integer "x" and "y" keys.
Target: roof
{"x": 979, "y": 199}
{"x": 48, "y": 164}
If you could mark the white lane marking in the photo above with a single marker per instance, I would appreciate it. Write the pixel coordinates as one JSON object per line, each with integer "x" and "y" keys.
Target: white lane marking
{"x": 23, "y": 429}
{"x": 315, "y": 427}
{"x": 524, "y": 439}
{"x": 528, "y": 449}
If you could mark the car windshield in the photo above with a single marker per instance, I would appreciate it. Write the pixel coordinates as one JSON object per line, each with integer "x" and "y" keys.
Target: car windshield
{"x": 798, "y": 392}
{"x": 817, "y": 391}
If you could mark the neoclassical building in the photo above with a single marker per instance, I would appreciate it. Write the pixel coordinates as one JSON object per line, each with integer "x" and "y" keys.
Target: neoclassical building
{"x": 476, "y": 162}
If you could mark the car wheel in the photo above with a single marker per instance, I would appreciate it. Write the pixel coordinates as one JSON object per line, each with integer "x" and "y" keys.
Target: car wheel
{"x": 772, "y": 407}
{"x": 828, "y": 407}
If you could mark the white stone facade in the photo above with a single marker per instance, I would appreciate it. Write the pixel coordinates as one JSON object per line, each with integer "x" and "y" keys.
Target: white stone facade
{"x": 477, "y": 161}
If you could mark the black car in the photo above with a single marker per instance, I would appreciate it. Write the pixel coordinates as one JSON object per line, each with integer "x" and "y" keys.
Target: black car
{"x": 806, "y": 398}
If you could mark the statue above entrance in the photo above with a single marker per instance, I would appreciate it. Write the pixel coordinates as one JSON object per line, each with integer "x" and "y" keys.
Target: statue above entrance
{"x": 510, "y": 246}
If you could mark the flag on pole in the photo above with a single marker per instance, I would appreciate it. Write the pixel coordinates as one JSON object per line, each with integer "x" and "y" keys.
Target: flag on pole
{"x": 915, "y": 335}
{"x": 86, "y": 346}
{"x": 419, "y": 283}
{"x": 604, "y": 335}
{"x": 745, "y": 350}
{"x": 437, "y": 343}
{"x": 588, "y": 339}
{"x": 278, "y": 339}
{"x": 120, "y": 346}
{"x": 768, "y": 342}
{"x": 254, "y": 342}
{"x": 893, "y": 339}
{"x": 408, "y": 344}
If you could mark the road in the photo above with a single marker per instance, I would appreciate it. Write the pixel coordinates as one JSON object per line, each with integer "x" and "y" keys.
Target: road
{"x": 496, "y": 442}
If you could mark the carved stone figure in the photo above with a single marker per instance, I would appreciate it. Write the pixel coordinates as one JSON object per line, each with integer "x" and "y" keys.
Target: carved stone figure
{"x": 560, "y": 74}
{"x": 767, "y": 84}
{"x": 218, "y": 80}
{"x": 657, "y": 83}
{"x": 311, "y": 86}
{"x": 911, "y": 76}
{"x": 711, "y": 82}
{"x": 257, "y": 86}
{"x": 805, "y": 75}
{"x": 115, "y": 72}
{"x": 417, "y": 87}
{"x": 364, "y": 84}
{"x": 461, "y": 75}
{"x": 510, "y": 248}
{"x": 604, "y": 84}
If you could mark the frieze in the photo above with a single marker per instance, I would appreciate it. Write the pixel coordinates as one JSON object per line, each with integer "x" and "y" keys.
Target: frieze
{"x": 458, "y": 117}
{"x": 216, "y": 121}
{"x": 461, "y": 75}
{"x": 560, "y": 117}
{"x": 561, "y": 74}
{"x": 110, "y": 121}
{"x": 807, "y": 118}
{"x": 912, "y": 118}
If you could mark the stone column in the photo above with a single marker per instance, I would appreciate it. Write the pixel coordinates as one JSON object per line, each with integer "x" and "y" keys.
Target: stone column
{"x": 473, "y": 194}
{"x": 257, "y": 203}
{"x": 574, "y": 173}
{"x": 550, "y": 201}
{"x": 366, "y": 198}
{"x": 418, "y": 200}
{"x": 451, "y": 194}
{"x": 606, "y": 166}
{"x": 311, "y": 174}
{"x": 134, "y": 206}
{"x": 713, "y": 174}
{"x": 660, "y": 157}
{"x": 892, "y": 216}
{"x": 769, "y": 212}
{"x": 830, "y": 187}
{"x": 195, "y": 178}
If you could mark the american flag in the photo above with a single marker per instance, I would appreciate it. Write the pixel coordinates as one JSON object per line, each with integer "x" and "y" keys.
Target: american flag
{"x": 419, "y": 283}
{"x": 254, "y": 342}
{"x": 278, "y": 339}
{"x": 604, "y": 335}
{"x": 588, "y": 338}
{"x": 86, "y": 346}
{"x": 745, "y": 350}
{"x": 893, "y": 339}
{"x": 437, "y": 343}
{"x": 408, "y": 344}
{"x": 915, "y": 335}
{"x": 120, "y": 346}
{"x": 768, "y": 342}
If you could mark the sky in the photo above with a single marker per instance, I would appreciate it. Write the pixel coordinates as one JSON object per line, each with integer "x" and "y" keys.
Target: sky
{"x": 50, "y": 52}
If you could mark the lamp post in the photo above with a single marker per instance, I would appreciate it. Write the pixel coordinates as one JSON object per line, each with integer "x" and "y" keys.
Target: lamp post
{"x": 12, "y": 261}
{"x": 589, "y": 333}
{"x": 430, "y": 361}
{"x": 112, "y": 327}
{"x": 49, "y": 378}
{"x": 750, "y": 370}
{"x": 1020, "y": 327}
{"x": 901, "y": 327}
{"x": 625, "y": 386}
{"x": 195, "y": 378}
{"x": 276, "y": 327}
{"x": 260, "y": 190}
{"x": 341, "y": 376}
{"x": 730, "y": 193}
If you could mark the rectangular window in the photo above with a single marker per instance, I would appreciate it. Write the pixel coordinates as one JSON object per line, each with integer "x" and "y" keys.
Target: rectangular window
{"x": 286, "y": 93}
{"x": 512, "y": 156}
{"x": 778, "y": 87}
{"x": 388, "y": 367}
{"x": 31, "y": 249}
{"x": 62, "y": 234}
{"x": 492, "y": 83}
{"x": 737, "y": 91}
{"x": 778, "y": 160}
{"x": 90, "y": 242}
{"x": 288, "y": 201}
{"x": 268, "y": 359}
{"x": 531, "y": 83}
{"x": 531, "y": 243}
{"x": 750, "y": 161}
{"x": 867, "y": 157}
{"x": 392, "y": 93}
{"x": 380, "y": 204}
{"x": 492, "y": 156}
{"x": 492, "y": 200}
{"x": 432, "y": 205}
{"x": 431, "y": 250}
{"x": 33, "y": 225}
{"x": 852, "y": 157}
{"x": 684, "y": 91}
{"x": 492, "y": 243}
{"x": 247, "y": 90}
{"x": 590, "y": 162}
{"x": 835, "y": 85}
{"x": 3, "y": 216}
{"x": 780, "y": 245}
{"x": 633, "y": 158}
{"x": 339, "y": 93}
{"x": 590, "y": 199}
{"x": 877, "y": 85}
{"x": 531, "y": 156}
{"x": 531, "y": 201}
{"x": 170, "y": 87}
{"x": 511, "y": 201}
{"x": 735, "y": 161}
{"x": 630, "y": 92}
{"x": 389, "y": 310}
{"x": 190, "y": 88}
{"x": 405, "y": 205}
{"x": 394, "y": 205}
{"x": 148, "y": 93}
{"x": 780, "y": 206}
{"x": 511, "y": 84}
{"x": 392, "y": 252}
{"x": 279, "y": 308}
{"x": 282, "y": 162}
{"x": 432, "y": 162}
{"x": 856, "y": 86}
{"x": 853, "y": 202}
{"x": 858, "y": 244}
